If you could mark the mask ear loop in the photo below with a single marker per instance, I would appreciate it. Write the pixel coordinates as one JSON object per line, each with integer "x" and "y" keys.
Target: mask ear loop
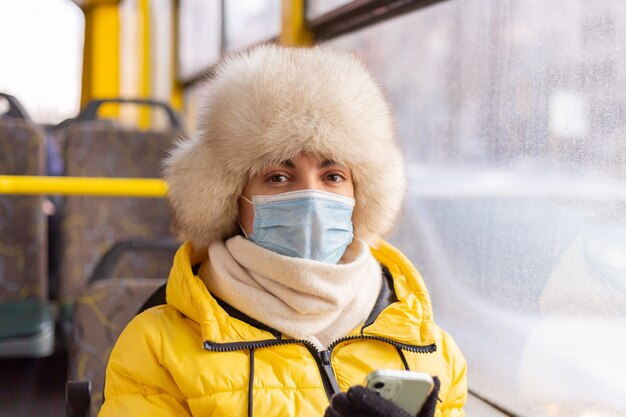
{"x": 239, "y": 221}
{"x": 242, "y": 229}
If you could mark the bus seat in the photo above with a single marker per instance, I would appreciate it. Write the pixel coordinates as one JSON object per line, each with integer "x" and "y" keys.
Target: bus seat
{"x": 78, "y": 399}
{"x": 26, "y": 320}
{"x": 104, "y": 308}
{"x": 89, "y": 225}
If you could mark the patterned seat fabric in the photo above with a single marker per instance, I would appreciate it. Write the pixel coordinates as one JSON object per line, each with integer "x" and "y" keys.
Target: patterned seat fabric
{"x": 91, "y": 225}
{"x": 23, "y": 227}
{"x": 100, "y": 315}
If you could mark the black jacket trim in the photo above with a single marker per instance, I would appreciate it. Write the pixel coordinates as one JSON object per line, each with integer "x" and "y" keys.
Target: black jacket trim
{"x": 386, "y": 297}
{"x": 251, "y": 384}
{"x": 404, "y": 361}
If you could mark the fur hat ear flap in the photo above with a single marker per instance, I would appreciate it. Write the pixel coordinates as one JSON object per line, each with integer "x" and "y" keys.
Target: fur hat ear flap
{"x": 270, "y": 104}
{"x": 202, "y": 196}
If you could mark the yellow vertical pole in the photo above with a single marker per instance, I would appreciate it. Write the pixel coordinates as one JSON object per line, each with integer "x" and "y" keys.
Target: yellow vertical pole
{"x": 294, "y": 31}
{"x": 101, "y": 58}
{"x": 145, "y": 64}
{"x": 177, "y": 91}
{"x": 86, "y": 88}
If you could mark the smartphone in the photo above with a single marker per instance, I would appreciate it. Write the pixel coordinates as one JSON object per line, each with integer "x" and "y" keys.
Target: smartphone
{"x": 406, "y": 389}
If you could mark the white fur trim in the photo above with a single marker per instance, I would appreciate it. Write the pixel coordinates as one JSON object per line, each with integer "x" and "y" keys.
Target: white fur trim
{"x": 268, "y": 105}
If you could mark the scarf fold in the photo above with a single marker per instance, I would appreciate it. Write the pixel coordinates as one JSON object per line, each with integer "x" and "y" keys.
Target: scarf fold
{"x": 301, "y": 298}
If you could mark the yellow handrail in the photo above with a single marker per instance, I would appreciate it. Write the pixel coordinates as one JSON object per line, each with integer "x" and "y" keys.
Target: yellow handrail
{"x": 113, "y": 187}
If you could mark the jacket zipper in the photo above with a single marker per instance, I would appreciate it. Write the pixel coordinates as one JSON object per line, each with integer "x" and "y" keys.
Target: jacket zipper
{"x": 322, "y": 358}
{"x": 410, "y": 348}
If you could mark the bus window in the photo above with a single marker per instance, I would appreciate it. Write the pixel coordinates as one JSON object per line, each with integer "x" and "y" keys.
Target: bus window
{"x": 511, "y": 114}
{"x": 42, "y": 57}
{"x": 200, "y": 36}
{"x": 247, "y": 22}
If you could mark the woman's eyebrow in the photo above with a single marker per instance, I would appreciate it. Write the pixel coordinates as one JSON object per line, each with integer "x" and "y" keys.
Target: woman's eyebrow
{"x": 328, "y": 162}
{"x": 288, "y": 163}
{"x": 324, "y": 164}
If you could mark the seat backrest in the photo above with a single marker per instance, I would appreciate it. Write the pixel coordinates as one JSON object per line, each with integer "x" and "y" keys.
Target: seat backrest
{"x": 101, "y": 312}
{"x": 105, "y": 307}
{"x": 23, "y": 223}
{"x": 90, "y": 225}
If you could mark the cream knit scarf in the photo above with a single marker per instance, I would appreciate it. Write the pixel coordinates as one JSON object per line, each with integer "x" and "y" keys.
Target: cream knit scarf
{"x": 302, "y": 299}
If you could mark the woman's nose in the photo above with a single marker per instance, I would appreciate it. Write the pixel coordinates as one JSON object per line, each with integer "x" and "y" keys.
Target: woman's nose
{"x": 309, "y": 182}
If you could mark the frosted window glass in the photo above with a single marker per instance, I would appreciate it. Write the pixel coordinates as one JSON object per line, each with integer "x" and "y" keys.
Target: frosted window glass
{"x": 511, "y": 115}
{"x": 248, "y": 22}
{"x": 41, "y": 50}
{"x": 200, "y": 36}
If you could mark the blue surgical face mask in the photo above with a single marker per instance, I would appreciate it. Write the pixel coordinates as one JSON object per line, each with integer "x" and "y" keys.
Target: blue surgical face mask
{"x": 306, "y": 224}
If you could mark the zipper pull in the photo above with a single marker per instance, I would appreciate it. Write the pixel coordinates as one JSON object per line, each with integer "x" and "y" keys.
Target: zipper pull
{"x": 328, "y": 371}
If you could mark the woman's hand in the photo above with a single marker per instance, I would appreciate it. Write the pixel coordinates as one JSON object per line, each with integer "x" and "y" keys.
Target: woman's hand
{"x": 362, "y": 402}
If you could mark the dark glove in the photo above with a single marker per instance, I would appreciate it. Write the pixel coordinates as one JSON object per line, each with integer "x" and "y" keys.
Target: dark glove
{"x": 362, "y": 402}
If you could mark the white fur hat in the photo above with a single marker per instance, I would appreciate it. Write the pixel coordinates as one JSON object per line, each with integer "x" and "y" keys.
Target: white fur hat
{"x": 268, "y": 105}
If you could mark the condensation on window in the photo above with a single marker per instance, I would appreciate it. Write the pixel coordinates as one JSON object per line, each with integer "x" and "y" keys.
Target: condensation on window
{"x": 200, "y": 36}
{"x": 511, "y": 115}
{"x": 248, "y": 22}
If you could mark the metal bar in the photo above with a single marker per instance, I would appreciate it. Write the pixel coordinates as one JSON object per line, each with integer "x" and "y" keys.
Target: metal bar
{"x": 294, "y": 31}
{"x": 361, "y": 13}
{"x": 145, "y": 64}
{"x": 176, "y": 96}
{"x": 101, "y": 63}
{"x": 112, "y": 187}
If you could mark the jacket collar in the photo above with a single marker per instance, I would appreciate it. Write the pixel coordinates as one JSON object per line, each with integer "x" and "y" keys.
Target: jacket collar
{"x": 408, "y": 320}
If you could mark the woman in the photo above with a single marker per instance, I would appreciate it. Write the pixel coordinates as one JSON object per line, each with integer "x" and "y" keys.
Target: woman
{"x": 284, "y": 293}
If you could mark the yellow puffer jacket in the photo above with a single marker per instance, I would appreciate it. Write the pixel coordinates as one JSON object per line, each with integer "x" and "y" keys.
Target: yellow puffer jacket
{"x": 190, "y": 357}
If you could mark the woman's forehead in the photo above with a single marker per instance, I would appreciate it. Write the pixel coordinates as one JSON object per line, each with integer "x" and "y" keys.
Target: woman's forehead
{"x": 306, "y": 160}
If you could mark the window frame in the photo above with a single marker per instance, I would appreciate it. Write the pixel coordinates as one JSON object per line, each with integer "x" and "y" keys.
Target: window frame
{"x": 362, "y": 13}
{"x": 345, "y": 19}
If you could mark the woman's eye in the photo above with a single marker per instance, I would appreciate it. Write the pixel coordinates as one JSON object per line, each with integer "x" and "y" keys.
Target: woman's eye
{"x": 277, "y": 178}
{"x": 335, "y": 177}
